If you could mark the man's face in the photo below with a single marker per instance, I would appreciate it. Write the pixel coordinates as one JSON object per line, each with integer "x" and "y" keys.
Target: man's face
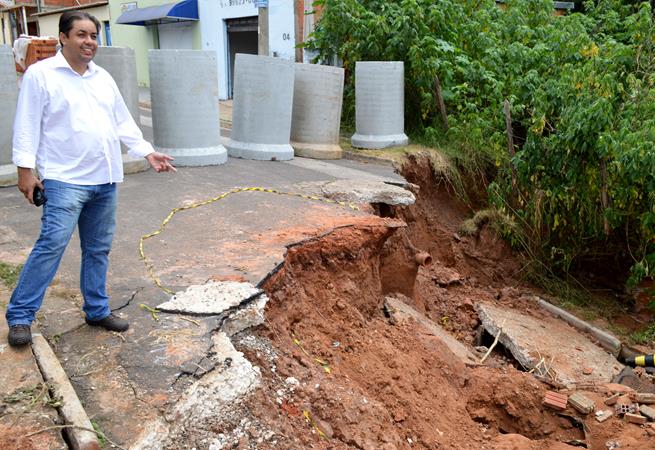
{"x": 81, "y": 43}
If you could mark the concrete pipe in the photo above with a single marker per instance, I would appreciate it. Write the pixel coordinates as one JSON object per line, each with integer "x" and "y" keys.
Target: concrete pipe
{"x": 261, "y": 113}
{"x": 120, "y": 62}
{"x": 316, "y": 118}
{"x": 379, "y": 104}
{"x": 185, "y": 115}
{"x": 8, "y": 99}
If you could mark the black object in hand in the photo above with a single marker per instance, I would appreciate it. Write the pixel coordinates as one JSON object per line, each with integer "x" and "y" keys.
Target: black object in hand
{"x": 38, "y": 196}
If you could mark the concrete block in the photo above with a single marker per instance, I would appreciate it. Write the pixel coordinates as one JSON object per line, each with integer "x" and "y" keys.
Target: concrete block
{"x": 648, "y": 412}
{"x": 215, "y": 297}
{"x": 71, "y": 409}
{"x": 635, "y": 418}
{"x": 262, "y": 108}
{"x": 581, "y": 403}
{"x": 316, "y": 117}
{"x": 8, "y": 99}
{"x": 134, "y": 165}
{"x": 8, "y": 175}
{"x": 120, "y": 62}
{"x": 621, "y": 409}
{"x": 602, "y": 416}
{"x": 185, "y": 115}
{"x": 379, "y": 104}
{"x": 555, "y": 400}
{"x": 646, "y": 398}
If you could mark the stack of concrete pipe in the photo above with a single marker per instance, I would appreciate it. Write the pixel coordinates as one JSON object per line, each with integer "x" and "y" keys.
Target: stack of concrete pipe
{"x": 317, "y": 99}
{"x": 262, "y": 108}
{"x": 185, "y": 114}
{"x": 8, "y": 99}
{"x": 120, "y": 62}
{"x": 379, "y": 104}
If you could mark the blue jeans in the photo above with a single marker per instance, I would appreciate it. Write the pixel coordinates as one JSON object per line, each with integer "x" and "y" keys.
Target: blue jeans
{"x": 93, "y": 210}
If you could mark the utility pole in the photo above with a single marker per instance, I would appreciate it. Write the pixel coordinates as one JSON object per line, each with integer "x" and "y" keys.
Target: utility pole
{"x": 262, "y": 28}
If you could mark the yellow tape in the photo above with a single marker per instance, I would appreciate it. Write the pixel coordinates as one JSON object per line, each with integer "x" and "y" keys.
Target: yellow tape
{"x": 169, "y": 217}
{"x": 322, "y": 363}
{"x": 311, "y": 421}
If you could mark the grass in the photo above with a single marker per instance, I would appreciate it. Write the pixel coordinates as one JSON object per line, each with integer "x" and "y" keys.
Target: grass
{"x": 101, "y": 437}
{"x": 500, "y": 222}
{"x": 645, "y": 336}
{"x": 9, "y": 274}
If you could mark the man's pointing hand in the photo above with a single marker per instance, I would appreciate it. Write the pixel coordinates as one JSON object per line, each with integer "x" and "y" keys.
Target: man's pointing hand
{"x": 160, "y": 162}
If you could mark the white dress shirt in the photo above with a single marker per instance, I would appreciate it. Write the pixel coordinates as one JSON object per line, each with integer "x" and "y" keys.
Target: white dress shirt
{"x": 69, "y": 126}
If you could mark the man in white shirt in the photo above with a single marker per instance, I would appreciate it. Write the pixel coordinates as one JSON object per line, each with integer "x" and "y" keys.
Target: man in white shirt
{"x": 70, "y": 120}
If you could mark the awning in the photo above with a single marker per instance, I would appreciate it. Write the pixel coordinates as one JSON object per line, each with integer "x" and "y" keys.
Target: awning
{"x": 172, "y": 12}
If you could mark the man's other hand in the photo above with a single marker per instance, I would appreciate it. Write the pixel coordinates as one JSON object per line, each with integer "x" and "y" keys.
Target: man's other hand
{"x": 160, "y": 162}
{"x": 26, "y": 183}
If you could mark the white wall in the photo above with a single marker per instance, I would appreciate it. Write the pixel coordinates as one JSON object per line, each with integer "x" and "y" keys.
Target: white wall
{"x": 281, "y": 29}
{"x": 213, "y": 32}
{"x": 49, "y": 24}
{"x": 176, "y": 35}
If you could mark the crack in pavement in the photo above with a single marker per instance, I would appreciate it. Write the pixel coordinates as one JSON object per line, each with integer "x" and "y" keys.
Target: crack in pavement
{"x": 134, "y": 294}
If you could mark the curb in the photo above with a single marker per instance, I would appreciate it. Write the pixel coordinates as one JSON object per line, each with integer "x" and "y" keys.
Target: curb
{"x": 354, "y": 156}
{"x": 71, "y": 409}
{"x": 607, "y": 341}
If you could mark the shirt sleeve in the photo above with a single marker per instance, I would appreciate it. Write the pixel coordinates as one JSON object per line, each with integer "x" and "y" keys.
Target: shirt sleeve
{"x": 128, "y": 131}
{"x": 27, "y": 122}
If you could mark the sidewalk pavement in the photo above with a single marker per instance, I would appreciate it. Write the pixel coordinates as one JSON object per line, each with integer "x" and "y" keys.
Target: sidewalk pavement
{"x": 126, "y": 381}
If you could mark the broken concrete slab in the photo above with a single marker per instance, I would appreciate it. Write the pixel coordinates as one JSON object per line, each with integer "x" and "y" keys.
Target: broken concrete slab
{"x": 400, "y": 311}
{"x": 248, "y": 316}
{"x": 125, "y": 379}
{"x": 71, "y": 409}
{"x": 609, "y": 342}
{"x": 365, "y": 191}
{"x": 549, "y": 342}
{"x": 214, "y": 297}
{"x": 206, "y": 400}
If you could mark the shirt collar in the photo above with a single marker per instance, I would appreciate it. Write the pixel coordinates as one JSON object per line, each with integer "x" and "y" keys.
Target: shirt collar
{"x": 60, "y": 62}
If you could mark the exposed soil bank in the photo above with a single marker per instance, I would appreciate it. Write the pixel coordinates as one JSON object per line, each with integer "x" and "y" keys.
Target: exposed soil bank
{"x": 338, "y": 374}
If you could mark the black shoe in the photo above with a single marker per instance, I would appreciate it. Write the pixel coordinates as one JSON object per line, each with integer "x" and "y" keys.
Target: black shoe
{"x": 111, "y": 323}
{"x": 19, "y": 335}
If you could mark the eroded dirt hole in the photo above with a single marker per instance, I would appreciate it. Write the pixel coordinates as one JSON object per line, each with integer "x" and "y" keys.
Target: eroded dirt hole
{"x": 340, "y": 371}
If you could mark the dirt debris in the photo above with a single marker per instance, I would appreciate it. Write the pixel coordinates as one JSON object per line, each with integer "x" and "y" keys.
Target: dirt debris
{"x": 360, "y": 379}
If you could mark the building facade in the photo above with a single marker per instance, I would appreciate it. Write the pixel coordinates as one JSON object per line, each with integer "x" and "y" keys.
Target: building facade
{"x": 21, "y": 17}
{"x": 225, "y": 26}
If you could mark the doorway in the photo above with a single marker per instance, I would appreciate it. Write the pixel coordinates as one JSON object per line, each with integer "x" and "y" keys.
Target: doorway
{"x": 241, "y": 38}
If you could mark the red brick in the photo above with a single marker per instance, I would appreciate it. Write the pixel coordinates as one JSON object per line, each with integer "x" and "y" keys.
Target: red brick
{"x": 611, "y": 400}
{"x": 555, "y": 400}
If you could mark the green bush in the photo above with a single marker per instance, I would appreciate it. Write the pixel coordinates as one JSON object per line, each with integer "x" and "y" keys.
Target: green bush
{"x": 582, "y": 95}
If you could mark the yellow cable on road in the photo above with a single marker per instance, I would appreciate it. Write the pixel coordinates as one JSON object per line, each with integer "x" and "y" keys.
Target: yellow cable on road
{"x": 149, "y": 265}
